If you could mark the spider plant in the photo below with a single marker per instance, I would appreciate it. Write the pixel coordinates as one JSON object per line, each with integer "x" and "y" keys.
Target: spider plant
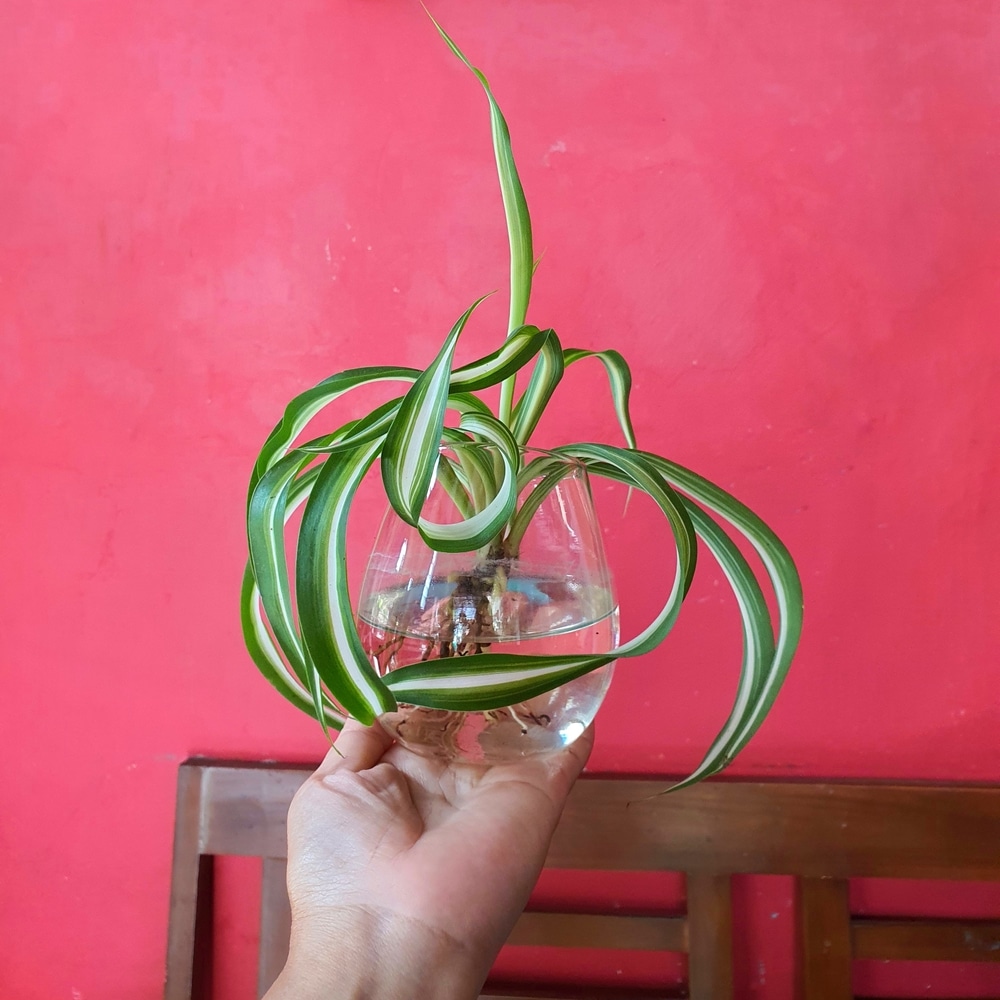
{"x": 303, "y": 638}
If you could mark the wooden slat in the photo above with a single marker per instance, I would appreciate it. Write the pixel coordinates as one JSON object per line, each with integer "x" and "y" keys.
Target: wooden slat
{"x": 189, "y": 935}
{"x": 898, "y": 831}
{"x": 588, "y": 930}
{"x": 275, "y": 924}
{"x": 926, "y": 940}
{"x": 710, "y": 936}
{"x": 509, "y": 992}
{"x": 824, "y": 953}
{"x": 619, "y": 994}
{"x": 245, "y": 809}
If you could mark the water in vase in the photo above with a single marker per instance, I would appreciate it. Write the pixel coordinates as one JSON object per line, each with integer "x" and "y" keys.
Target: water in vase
{"x": 531, "y": 615}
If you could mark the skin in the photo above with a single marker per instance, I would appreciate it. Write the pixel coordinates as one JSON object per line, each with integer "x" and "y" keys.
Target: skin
{"x": 405, "y": 874}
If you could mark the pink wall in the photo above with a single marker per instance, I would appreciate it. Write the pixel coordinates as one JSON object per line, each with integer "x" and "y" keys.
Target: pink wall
{"x": 784, "y": 213}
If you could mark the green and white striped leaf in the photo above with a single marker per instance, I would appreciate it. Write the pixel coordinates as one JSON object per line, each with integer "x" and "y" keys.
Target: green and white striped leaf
{"x": 515, "y": 210}
{"x": 455, "y": 486}
{"x": 475, "y": 468}
{"x": 264, "y": 649}
{"x": 466, "y": 402}
{"x": 635, "y": 469}
{"x": 620, "y": 378}
{"x": 549, "y": 470}
{"x": 486, "y": 681}
{"x": 514, "y": 203}
{"x": 269, "y": 509}
{"x": 761, "y": 659}
{"x": 545, "y": 376}
{"x": 410, "y": 453}
{"x": 267, "y": 656}
{"x": 519, "y": 348}
{"x": 762, "y": 678}
{"x": 479, "y": 374}
{"x": 326, "y": 618}
{"x": 306, "y": 405}
{"x": 758, "y": 641}
{"x": 375, "y": 425}
{"x": 474, "y": 532}
{"x": 780, "y": 569}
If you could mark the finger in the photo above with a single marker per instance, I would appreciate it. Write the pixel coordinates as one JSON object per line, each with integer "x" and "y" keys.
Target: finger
{"x": 357, "y": 748}
{"x": 581, "y": 749}
{"x": 565, "y": 766}
{"x": 553, "y": 774}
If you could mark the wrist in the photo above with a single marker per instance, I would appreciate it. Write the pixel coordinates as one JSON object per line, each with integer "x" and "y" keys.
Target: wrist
{"x": 359, "y": 954}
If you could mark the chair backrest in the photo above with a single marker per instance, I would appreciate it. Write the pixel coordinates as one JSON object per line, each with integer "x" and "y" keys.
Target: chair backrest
{"x": 822, "y": 834}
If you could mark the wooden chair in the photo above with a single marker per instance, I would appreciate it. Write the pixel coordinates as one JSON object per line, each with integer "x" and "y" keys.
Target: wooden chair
{"x": 822, "y": 834}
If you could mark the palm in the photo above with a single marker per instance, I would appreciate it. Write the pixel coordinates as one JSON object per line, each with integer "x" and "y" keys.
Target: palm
{"x": 455, "y": 849}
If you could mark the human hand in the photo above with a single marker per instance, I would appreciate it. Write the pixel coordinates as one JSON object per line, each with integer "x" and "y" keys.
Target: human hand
{"x": 406, "y": 874}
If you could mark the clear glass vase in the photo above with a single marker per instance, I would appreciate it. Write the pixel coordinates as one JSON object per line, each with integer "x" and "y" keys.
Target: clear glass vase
{"x": 547, "y": 592}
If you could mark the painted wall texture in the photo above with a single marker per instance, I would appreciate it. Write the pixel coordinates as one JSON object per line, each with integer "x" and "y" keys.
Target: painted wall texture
{"x": 785, "y": 214}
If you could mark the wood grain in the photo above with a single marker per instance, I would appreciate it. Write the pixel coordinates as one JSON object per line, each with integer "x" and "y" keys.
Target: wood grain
{"x": 824, "y": 952}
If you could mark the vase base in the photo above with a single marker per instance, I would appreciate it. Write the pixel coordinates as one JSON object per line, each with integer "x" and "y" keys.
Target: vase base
{"x": 545, "y": 724}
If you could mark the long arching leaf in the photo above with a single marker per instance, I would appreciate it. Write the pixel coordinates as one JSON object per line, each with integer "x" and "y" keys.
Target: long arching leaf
{"x": 514, "y": 203}
{"x": 486, "y": 681}
{"x": 515, "y": 209}
{"x": 521, "y": 347}
{"x": 267, "y": 514}
{"x": 638, "y": 472}
{"x": 267, "y": 656}
{"x": 270, "y": 655}
{"x": 326, "y": 618}
{"x": 410, "y": 452}
{"x": 620, "y": 378}
{"x": 375, "y": 425}
{"x": 758, "y": 634}
{"x": 518, "y": 349}
{"x": 545, "y": 376}
{"x": 758, "y": 641}
{"x": 780, "y": 569}
{"x": 474, "y": 532}
{"x": 550, "y": 472}
{"x": 307, "y": 404}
